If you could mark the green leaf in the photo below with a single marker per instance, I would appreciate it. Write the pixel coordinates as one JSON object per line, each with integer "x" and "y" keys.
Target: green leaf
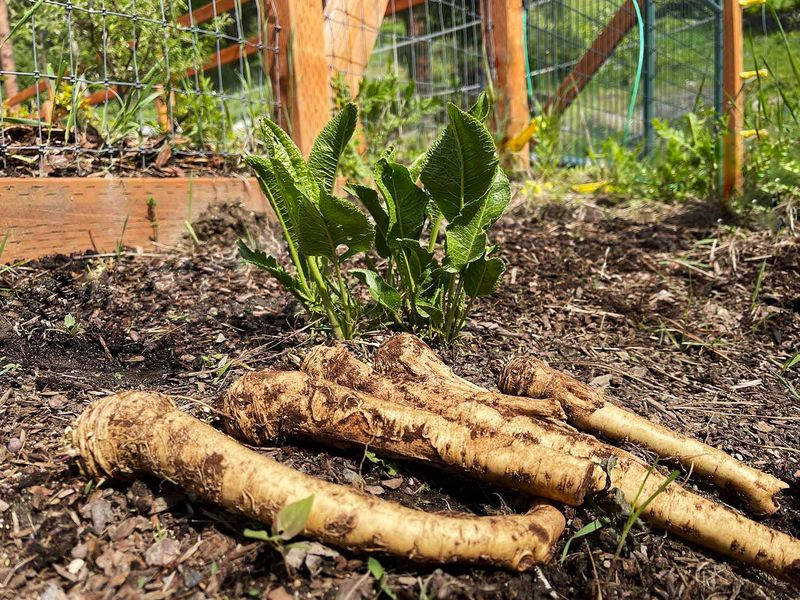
{"x": 383, "y": 293}
{"x": 790, "y": 363}
{"x": 482, "y": 276}
{"x": 419, "y": 260}
{"x": 371, "y": 201}
{"x": 479, "y": 110}
{"x": 21, "y": 21}
{"x": 405, "y": 201}
{"x": 329, "y": 145}
{"x": 292, "y": 518}
{"x": 334, "y": 223}
{"x": 430, "y": 310}
{"x": 483, "y": 105}
{"x": 282, "y": 199}
{"x": 466, "y": 234}
{"x": 21, "y": 121}
{"x": 348, "y": 226}
{"x": 461, "y": 166}
{"x": 283, "y": 149}
{"x": 377, "y": 571}
{"x": 584, "y": 531}
{"x": 268, "y": 263}
{"x": 257, "y": 534}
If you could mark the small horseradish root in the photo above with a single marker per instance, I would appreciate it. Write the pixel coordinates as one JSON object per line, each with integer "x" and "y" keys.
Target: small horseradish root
{"x": 588, "y": 410}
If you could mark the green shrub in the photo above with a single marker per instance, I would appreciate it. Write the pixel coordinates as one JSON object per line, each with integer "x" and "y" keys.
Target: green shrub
{"x": 414, "y": 280}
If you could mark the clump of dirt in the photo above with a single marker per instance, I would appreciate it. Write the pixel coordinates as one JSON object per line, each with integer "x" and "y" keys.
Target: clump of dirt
{"x": 667, "y": 316}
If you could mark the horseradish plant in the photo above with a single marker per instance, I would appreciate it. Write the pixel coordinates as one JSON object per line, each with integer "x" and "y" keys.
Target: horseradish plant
{"x": 418, "y": 279}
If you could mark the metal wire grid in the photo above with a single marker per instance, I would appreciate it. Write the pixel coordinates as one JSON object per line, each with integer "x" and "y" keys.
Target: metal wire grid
{"x": 681, "y": 67}
{"x": 433, "y": 47}
{"x": 205, "y": 74}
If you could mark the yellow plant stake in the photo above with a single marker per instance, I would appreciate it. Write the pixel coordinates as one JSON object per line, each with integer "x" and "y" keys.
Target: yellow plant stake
{"x": 516, "y": 143}
{"x": 588, "y": 188}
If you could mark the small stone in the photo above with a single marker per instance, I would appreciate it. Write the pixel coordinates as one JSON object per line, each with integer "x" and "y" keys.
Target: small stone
{"x": 191, "y": 578}
{"x": 279, "y": 594}
{"x": 101, "y": 515}
{"x": 220, "y": 338}
{"x": 601, "y": 381}
{"x": 57, "y": 402}
{"x": 349, "y": 475}
{"x": 376, "y": 490}
{"x": 75, "y": 566}
{"x": 393, "y": 484}
{"x": 763, "y": 427}
{"x": 79, "y": 551}
{"x": 14, "y": 445}
{"x": 52, "y": 592}
{"x": 162, "y": 553}
{"x": 4, "y": 506}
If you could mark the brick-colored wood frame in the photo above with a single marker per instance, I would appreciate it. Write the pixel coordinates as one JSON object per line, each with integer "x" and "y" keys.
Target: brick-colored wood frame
{"x": 64, "y": 215}
{"x": 733, "y": 98}
{"x": 306, "y": 96}
{"x": 507, "y": 35}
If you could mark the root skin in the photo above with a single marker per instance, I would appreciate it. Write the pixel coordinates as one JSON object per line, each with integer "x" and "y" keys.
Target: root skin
{"x": 676, "y": 510}
{"x": 588, "y": 410}
{"x": 136, "y": 433}
{"x": 418, "y": 367}
{"x": 267, "y": 406}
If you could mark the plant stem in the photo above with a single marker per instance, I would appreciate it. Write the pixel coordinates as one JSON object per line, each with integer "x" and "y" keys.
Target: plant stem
{"x": 435, "y": 232}
{"x": 344, "y": 295}
{"x": 326, "y": 299}
{"x": 453, "y": 308}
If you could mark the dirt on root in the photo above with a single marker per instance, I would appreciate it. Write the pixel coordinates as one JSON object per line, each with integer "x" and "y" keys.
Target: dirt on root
{"x": 683, "y": 319}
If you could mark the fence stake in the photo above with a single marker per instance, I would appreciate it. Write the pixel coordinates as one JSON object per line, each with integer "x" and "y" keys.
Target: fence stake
{"x": 733, "y": 99}
{"x": 7, "y": 53}
{"x": 305, "y": 102}
{"x": 513, "y": 111}
{"x": 649, "y": 74}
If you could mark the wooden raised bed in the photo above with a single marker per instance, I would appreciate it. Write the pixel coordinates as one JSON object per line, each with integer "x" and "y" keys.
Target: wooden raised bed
{"x": 64, "y": 215}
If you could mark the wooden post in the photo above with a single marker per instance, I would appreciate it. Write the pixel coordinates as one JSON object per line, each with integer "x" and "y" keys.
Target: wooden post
{"x": 305, "y": 92}
{"x": 512, "y": 97}
{"x": 351, "y": 30}
{"x": 7, "y": 53}
{"x": 733, "y": 99}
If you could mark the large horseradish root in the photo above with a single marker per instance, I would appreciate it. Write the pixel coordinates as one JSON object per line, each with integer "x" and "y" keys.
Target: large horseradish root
{"x": 677, "y": 510}
{"x": 268, "y": 406}
{"x": 588, "y": 410}
{"x": 135, "y": 433}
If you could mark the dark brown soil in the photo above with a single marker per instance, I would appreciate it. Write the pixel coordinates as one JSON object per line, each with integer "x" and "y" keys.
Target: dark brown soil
{"x": 658, "y": 308}
{"x": 25, "y": 153}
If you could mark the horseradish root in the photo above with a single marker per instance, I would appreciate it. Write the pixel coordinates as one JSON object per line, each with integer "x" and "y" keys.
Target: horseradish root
{"x": 588, "y": 410}
{"x": 677, "y": 510}
{"x": 267, "y": 406}
{"x": 135, "y": 433}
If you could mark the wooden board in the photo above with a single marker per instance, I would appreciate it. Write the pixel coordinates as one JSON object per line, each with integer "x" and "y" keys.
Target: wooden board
{"x": 208, "y": 12}
{"x": 509, "y": 63}
{"x": 64, "y": 215}
{"x": 351, "y": 30}
{"x": 305, "y": 91}
{"x": 601, "y": 49}
{"x": 733, "y": 99}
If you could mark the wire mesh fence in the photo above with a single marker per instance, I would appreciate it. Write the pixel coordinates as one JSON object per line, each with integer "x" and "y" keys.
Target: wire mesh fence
{"x": 404, "y": 61}
{"x": 93, "y": 86}
{"x": 584, "y": 67}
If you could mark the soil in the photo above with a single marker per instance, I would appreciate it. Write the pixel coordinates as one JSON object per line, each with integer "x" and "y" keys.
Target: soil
{"x": 664, "y": 309}
{"x": 85, "y": 154}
